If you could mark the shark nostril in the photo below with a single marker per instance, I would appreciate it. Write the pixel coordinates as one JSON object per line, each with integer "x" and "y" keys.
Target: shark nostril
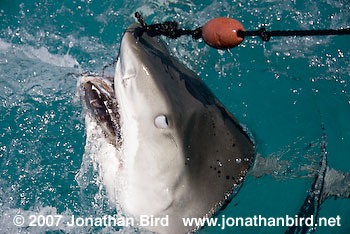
{"x": 128, "y": 70}
{"x": 128, "y": 76}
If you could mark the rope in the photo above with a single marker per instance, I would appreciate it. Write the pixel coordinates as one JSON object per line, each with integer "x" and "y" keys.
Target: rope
{"x": 170, "y": 29}
{"x": 266, "y": 35}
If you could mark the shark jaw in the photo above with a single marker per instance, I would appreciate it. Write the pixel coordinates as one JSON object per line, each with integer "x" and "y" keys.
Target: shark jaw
{"x": 182, "y": 152}
{"x": 99, "y": 98}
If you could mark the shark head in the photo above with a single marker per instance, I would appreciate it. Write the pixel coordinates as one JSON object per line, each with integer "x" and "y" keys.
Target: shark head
{"x": 182, "y": 153}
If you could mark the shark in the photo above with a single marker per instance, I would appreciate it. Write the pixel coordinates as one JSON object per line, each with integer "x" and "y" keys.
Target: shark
{"x": 181, "y": 154}
{"x": 178, "y": 153}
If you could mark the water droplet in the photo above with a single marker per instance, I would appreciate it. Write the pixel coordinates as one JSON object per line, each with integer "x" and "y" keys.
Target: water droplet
{"x": 219, "y": 163}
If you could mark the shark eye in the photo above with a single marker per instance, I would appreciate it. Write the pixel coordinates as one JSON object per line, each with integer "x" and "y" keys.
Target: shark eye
{"x": 161, "y": 121}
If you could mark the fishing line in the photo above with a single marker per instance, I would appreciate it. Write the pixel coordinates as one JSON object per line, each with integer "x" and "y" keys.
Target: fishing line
{"x": 225, "y": 33}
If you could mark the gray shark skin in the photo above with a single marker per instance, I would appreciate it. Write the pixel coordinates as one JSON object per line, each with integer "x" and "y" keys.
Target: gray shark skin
{"x": 182, "y": 153}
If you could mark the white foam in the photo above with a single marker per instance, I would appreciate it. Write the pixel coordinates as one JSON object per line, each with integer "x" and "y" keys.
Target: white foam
{"x": 41, "y": 54}
{"x": 46, "y": 57}
{"x": 105, "y": 160}
{"x": 104, "y": 157}
{"x": 4, "y": 45}
{"x": 145, "y": 10}
{"x": 150, "y": 7}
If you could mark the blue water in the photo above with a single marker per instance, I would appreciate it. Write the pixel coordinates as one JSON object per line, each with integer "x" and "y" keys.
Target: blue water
{"x": 281, "y": 91}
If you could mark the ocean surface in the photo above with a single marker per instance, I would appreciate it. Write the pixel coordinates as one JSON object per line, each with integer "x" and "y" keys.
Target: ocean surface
{"x": 281, "y": 91}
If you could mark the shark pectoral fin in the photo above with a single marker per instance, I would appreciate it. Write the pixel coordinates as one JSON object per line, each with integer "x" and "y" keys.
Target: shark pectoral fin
{"x": 336, "y": 184}
{"x": 221, "y": 155}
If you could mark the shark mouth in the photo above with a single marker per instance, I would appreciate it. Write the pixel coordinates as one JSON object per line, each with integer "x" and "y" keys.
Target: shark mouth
{"x": 99, "y": 98}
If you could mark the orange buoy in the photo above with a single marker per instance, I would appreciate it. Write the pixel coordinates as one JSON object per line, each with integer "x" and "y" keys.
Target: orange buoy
{"x": 221, "y": 33}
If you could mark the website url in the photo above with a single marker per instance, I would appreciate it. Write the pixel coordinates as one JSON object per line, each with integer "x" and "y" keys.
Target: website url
{"x": 259, "y": 221}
